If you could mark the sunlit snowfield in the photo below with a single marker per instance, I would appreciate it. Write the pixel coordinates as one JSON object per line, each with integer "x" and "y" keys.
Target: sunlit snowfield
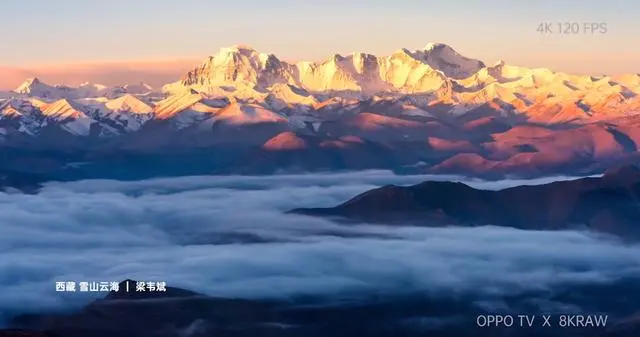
{"x": 229, "y": 236}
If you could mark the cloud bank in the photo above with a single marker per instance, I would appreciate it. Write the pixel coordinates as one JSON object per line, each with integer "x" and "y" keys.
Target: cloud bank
{"x": 228, "y": 236}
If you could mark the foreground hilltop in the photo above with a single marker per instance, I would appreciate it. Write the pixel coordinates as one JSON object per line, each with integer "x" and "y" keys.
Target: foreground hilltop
{"x": 180, "y": 312}
{"x": 609, "y": 204}
{"x": 432, "y": 110}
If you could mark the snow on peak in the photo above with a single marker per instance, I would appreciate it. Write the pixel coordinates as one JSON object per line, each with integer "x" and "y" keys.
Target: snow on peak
{"x": 335, "y": 58}
{"x": 93, "y": 86}
{"x": 31, "y": 81}
{"x": 138, "y": 88}
{"x": 405, "y": 71}
{"x": 236, "y": 113}
{"x": 71, "y": 116}
{"x": 126, "y": 112}
{"x": 174, "y": 104}
{"x": 444, "y": 58}
{"x": 129, "y": 103}
{"x": 499, "y": 63}
{"x": 35, "y": 87}
{"x": 435, "y": 45}
{"x": 403, "y": 52}
{"x": 63, "y": 109}
{"x": 435, "y": 73}
{"x": 232, "y": 66}
{"x": 239, "y": 49}
{"x": 10, "y": 108}
{"x": 92, "y": 90}
{"x": 243, "y": 47}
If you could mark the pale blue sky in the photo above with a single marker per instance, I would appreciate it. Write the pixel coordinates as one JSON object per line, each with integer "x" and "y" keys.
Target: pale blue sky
{"x": 66, "y": 31}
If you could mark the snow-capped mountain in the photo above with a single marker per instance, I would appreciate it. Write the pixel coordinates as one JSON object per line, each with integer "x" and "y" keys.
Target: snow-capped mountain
{"x": 77, "y": 117}
{"x": 185, "y": 109}
{"x": 436, "y": 74}
{"x": 34, "y": 87}
{"x": 20, "y": 115}
{"x": 433, "y": 88}
{"x": 69, "y": 115}
{"x": 138, "y": 89}
{"x": 430, "y": 105}
{"x": 444, "y": 58}
{"x": 11, "y": 109}
{"x": 405, "y": 71}
{"x": 128, "y": 103}
{"x": 126, "y": 113}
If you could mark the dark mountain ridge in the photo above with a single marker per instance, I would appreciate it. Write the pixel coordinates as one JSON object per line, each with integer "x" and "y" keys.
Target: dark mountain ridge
{"x": 22, "y": 181}
{"x": 609, "y": 204}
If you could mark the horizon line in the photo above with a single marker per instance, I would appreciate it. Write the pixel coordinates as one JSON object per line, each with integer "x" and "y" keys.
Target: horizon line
{"x": 163, "y": 70}
{"x": 292, "y": 60}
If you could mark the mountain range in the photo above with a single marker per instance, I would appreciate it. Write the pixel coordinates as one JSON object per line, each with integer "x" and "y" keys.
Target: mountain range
{"x": 607, "y": 204}
{"x": 430, "y": 110}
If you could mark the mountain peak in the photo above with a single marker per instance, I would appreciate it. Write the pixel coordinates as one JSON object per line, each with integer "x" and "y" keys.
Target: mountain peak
{"x": 10, "y": 108}
{"x": 499, "y": 63}
{"x": 404, "y": 51}
{"x": 140, "y": 88}
{"x": 336, "y": 58}
{"x": 239, "y": 49}
{"x": 28, "y": 83}
{"x": 234, "y": 53}
{"x": 403, "y": 54}
{"x": 33, "y": 86}
{"x": 129, "y": 103}
{"x": 446, "y": 59}
{"x": 65, "y": 103}
{"x": 241, "y": 46}
{"x": 64, "y": 109}
{"x": 436, "y": 45}
{"x": 285, "y": 141}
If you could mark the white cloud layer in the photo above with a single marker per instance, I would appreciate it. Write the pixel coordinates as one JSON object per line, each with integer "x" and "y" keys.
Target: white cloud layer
{"x": 229, "y": 236}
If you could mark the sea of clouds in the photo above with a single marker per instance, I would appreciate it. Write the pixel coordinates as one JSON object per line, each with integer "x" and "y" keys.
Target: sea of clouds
{"x": 230, "y": 236}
